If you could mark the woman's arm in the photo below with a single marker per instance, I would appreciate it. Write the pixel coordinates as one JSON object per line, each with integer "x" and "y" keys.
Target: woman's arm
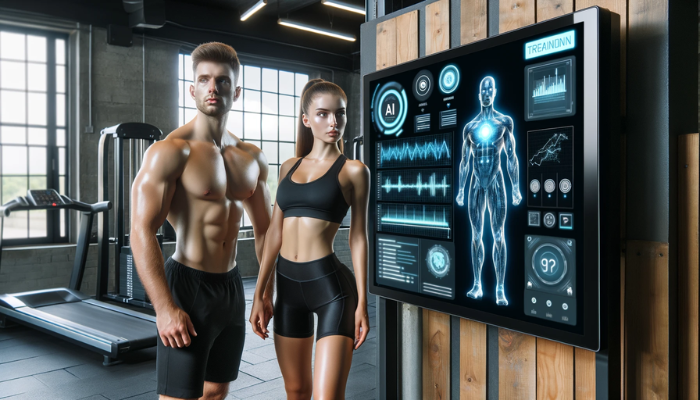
{"x": 359, "y": 176}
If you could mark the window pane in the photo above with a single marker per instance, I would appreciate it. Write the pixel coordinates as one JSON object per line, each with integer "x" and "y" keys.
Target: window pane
{"x": 180, "y": 69}
{"x": 14, "y": 135}
{"x": 62, "y": 161}
{"x": 297, "y": 106}
{"x": 13, "y": 107}
{"x": 36, "y": 136}
{"x": 181, "y": 93}
{"x": 189, "y": 101}
{"x": 60, "y": 137}
{"x": 286, "y": 82}
{"x": 270, "y": 150}
{"x": 269, "y": 80}
{"x": 60, "y": 51}
{"x": 272, "y": 180}
{"x": 189, "y": 75}
{"x": 62, "y": 185}
{"x": 252, "y": 126}
{"x": 37, "y": 223}
{"x": 12, "y": 46}
{"x": 37, "y": 77}
{"x": 36, "y": 48}
{"x": 286, "y": 151}
{"x": 14, "y": 161}
{"x": 13, "y": 75}
{"x": 63, "y": 222}
{"x": 37, "y": 109}
{"x": 60, "y": 79}
{"x": 251, "y": 100}
{"x": 37, "y": 182}
{"x": 13, "y": 186}
{"x": 235, "y": 123}
{"x": 252, "y": 78}
{"x": 37, "y": 161}
{"x": 16, "y": 224}
{"x": 269, "y": 127}
{"x": 190, "y": 114}
{"x": 300, "y": 80}
{"x": 60, "y": 110}
{"x": 287, "y": 129}
{"x": 269, "y": 103}
{"x": 287, "y": 105}
{"x": 238, "y": 103}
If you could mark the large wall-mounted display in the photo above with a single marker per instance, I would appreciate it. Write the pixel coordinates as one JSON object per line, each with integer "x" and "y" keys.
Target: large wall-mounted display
{"x": 486, "y": 201}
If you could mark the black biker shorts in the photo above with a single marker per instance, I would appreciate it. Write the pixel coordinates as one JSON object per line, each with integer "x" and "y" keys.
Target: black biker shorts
{"x": 216, "y": 305}
{"x": 325, "y": 287}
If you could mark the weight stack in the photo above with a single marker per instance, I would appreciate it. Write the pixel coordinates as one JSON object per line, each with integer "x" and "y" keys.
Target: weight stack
{"x": 130, "y": 285}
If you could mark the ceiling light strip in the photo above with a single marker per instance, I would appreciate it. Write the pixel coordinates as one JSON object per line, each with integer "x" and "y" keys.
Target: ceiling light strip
{"x": 344, "y": 6}
{"x": 308, "y": 28}
{"x": 252, "y": 10}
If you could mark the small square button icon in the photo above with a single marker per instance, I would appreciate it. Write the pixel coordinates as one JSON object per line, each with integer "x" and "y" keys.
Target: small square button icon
{"x": 566, "y": 221}
{"x": 533, "y": 218}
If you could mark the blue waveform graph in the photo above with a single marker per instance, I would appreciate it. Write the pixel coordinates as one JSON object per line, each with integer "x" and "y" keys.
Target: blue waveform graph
{"x": 415, "y": 186}
{"x": 423, "y": 151}
{"x": 416, "y": 219}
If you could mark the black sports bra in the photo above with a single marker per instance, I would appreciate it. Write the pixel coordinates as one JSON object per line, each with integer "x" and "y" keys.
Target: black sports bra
{"x": 322, "y": 198}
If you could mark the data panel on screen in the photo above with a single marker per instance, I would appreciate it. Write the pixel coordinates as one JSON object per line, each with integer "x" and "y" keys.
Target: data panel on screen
{"x": 477, "y": 206}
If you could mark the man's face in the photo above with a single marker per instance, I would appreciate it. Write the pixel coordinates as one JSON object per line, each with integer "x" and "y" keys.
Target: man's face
{"x": 487, "y": 91}
{"x": 213, "y": 89}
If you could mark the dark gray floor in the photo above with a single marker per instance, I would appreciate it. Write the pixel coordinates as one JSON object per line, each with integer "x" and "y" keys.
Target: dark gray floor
{"x": 34, "y": 365}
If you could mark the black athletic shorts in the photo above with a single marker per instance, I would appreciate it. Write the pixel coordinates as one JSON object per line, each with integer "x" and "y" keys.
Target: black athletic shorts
{"x": 325, "y": 287}
{"x": 216, "y": 306}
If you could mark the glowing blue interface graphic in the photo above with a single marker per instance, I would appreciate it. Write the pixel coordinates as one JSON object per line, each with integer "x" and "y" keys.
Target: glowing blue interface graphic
{"x": 389, "y": 108}
{"x": 416, "y": 219}
{"x": 485, "y": 137}
{"x": 550, "y": 44}
{"x": 438, "y": 260}
{"x": 418, "y": 185}
{"x": 449, "y": 79}
{"x": 550, "y": 151}
{"x": 423, "y": 151}
{"x": 550, "y": 166}
{"x": 398, "y": 261}
{"x": 550, "y": 90}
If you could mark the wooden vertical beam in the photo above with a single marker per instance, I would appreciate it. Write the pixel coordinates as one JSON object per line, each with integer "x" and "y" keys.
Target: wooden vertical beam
{"x": 436, "y": 356}
{"x": 585, "y": 374}
{"x": 472, "y": 360}
{"x": 437, "y": 27}
{"x": 473, "y": 21}
{"x": 407, "y": 37}
{"x": 517, "y": 357}
{"x": 548, "y": 9}
{"x": 646, "y": 321}
{"x": 688, "y": 277}
{"x": 555, "y": 371}
{"x": 514, "y": 14}
{"x": 386, "y": 44}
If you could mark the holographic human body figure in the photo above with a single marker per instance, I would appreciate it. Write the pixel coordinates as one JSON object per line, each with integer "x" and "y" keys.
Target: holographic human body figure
{"x": 485, "y": 137}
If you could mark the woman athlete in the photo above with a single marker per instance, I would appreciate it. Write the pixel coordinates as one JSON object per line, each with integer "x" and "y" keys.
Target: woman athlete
{"x": 315, "y": 191}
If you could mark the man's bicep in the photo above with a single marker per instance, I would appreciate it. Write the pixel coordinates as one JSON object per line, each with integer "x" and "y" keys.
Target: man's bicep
{"x": 258, "y": 207}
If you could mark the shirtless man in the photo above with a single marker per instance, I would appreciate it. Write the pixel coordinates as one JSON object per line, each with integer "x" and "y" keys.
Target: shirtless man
{"x": 201, "y": 178}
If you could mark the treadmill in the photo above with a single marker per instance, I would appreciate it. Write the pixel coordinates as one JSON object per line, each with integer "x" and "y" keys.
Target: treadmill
{"x": 66, "y": 312}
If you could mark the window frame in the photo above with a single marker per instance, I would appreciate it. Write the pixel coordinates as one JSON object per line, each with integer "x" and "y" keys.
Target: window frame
{"x": 53, "y": 218}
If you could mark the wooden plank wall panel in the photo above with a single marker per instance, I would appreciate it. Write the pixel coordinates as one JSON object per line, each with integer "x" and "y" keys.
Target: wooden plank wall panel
{"x": 517, "y": 357}
{"x": 407, "y": 37}
{"x": 555, "y": 371}
{"x": 584, "y": 374}
{"x": 688, "y": 278}
{"x": 437, "y": 27}
{"x": 473, "y": 21}
{"x": 436, "y": 356}
{"x": 548, "y": 9}
{"x": 646, "y": 321}
{"x": 514, "y": 14}
{"x": 472, "y": 360}
{"x": 386, "y": 44}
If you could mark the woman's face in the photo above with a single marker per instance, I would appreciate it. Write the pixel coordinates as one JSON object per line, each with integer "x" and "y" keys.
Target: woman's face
{"x": 326, "y": 117}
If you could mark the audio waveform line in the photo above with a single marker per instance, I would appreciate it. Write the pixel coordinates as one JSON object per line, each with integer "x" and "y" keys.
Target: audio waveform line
{"x": 432, "y": 185}
{"x": 424, "y": 151}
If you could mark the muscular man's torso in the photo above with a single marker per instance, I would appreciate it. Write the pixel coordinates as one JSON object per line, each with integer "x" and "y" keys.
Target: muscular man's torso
{"x": 207, "y": 206}
{"x": 486, "y": 139}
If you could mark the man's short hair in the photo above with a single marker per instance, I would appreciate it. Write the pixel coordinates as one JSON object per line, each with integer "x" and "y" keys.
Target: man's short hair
{"x": 216, "y": 52}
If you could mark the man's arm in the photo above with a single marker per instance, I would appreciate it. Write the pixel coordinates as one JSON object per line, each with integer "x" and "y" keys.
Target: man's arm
{"x": 151, "y": 195}
{"x": 513, "y": 169}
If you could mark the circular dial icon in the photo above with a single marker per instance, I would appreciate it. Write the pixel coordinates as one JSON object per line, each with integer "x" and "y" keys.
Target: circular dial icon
{"x": 549, "y": 220}
{"x": 534, "y": 186}
{"x": 549, "y": 185}
{"x": 565, "y": 185}
{"x": 549, "y": 264}
{"x": 389, "y": 108}
{"x": 438, "y": 260}
{"x": 423, "y": 85}
{"x": 449, "y": 79}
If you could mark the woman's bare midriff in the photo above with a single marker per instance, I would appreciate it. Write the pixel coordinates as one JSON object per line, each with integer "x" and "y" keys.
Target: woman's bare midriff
{"x": 307, "y": 239}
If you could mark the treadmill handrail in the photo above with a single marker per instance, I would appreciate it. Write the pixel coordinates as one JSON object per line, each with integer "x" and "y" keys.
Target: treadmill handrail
{"x": 21, "y": 204}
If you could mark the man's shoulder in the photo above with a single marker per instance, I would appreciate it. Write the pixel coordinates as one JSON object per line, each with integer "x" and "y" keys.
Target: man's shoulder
{"x": 170, "y": 147}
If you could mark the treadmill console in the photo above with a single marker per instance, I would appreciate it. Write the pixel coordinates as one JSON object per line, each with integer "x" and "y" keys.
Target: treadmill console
{"x": 48, "y": 197}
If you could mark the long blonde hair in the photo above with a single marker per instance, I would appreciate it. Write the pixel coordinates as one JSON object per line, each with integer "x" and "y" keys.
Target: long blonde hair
{"x": 313, "y": 88}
